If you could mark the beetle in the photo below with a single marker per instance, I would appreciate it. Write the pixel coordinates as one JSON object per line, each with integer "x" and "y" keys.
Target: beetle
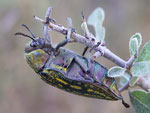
{"x": 69, "y": 71}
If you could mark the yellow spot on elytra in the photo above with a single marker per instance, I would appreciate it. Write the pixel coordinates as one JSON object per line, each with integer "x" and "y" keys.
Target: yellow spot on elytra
{"x": 86, "y": 94}
{"x": 90, "y": 90}
{"x": 59, "y": 85}
{"x": 58, "y": 67}
{"x": 79, "y": 83}
{"x": 75, "y": 87}
{"x": 85, "y": 85}
{"x": 46, "y": 71}
{"x": 62, "y": 81}
{"x": 65, "y": 69}
{"x": 91, "y": 86}
{"x": 75, "y": 92}
{"x": 97, "y": 92}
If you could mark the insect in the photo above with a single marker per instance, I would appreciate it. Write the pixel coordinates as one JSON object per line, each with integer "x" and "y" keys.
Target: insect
{"x": 69, "y": 71}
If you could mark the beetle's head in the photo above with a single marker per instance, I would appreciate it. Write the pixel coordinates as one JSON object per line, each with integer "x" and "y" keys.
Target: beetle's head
{"x": 36, "y": 43}
{"x": 36, "y": 51}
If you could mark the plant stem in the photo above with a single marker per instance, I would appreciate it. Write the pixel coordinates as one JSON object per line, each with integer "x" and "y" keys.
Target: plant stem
{"x": 144, "y": 82}
{"x": 88, "y": 42}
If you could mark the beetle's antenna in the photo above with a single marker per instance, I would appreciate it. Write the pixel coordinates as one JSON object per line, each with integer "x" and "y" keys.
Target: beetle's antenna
{"x": 19, "y": 33}
{"x": 28, "y": 30}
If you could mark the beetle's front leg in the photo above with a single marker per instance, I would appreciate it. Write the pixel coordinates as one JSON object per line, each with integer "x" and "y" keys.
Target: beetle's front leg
{"x": 61, "y": 44}
{"x": 70, "y": 30}
{"x": 89, "y": 57}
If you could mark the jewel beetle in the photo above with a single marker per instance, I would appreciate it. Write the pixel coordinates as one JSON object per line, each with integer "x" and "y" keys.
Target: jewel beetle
{"x": 69, "y": 71}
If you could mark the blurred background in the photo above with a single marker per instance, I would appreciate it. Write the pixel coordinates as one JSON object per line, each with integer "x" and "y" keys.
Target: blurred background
{"x": 22, "y": 91}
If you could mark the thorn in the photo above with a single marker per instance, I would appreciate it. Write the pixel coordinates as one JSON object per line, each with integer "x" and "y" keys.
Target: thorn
{"x": 83, "y": 18}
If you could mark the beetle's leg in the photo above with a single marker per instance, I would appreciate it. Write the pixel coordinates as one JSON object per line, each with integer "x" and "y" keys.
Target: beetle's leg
{"x": 64, "y": 42}
{"x": 89, "y": 53}
{"x": 61, "y": 44}
{"x": 90, "y": 59}
{"x": 85, "y": 50}
{"x": 84, "y": 68}
{"x": 82, "y": 65}
{"x": 98, "y": 43}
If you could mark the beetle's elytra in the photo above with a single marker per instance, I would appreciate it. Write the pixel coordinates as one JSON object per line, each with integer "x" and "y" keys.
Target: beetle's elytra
{"x": 69, "y": 71}
{"x": 64, "y": 73}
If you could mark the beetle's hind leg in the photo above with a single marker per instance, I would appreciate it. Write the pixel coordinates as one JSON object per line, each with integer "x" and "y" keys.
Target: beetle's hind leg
{"x": 84, "y": 67}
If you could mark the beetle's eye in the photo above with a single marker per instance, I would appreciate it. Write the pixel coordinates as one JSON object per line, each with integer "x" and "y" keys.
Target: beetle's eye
{"x": 34, "y": 44}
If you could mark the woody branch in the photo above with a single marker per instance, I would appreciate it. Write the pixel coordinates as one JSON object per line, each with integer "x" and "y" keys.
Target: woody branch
{"x": 88, "y": 42}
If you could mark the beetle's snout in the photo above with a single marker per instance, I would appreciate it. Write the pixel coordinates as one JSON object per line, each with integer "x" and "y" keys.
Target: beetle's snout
{"x": 38, "y": 43}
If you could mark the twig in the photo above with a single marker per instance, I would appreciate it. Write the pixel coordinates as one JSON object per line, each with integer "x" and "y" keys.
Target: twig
{"x": 69, "y": 22}
{"x": 130, "y": 61}
{"x": 144, "y": 82}
{"x": 88, "y": 42}
{"x": 45, "y": 29}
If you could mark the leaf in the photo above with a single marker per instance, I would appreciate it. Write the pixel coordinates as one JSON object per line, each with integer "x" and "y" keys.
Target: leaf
{"x": 134, "y": 43}
{"x": 134, "y": 80}
{"x": 96, "y": 20}
{"x": 85, "y": 28}
{"x": 145, "y": 53}
{"x": 116, "y": 71}
{"x": 138, "y": 37}
{"x": 140, "y": 101}
{"x": 141, "y": 68}
{"x": 133, "y": 46}
{"x": 124, "y": 79}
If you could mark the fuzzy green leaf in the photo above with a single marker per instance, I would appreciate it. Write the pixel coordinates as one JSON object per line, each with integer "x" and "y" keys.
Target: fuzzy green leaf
{"x": 134, "y": 43}
{"x": 144, "y": 54}
{"x": 140, "y": 101}
{"x": 124, "y": 79}
{"x": 133, "y": 80}
{"x": 85, "y": 28}
{"x": 116, "y": 71}
{"x": 96, "y": 20}
{"x": 138, "y": 37}
{"x": 141, "y": 68}
{"x": 133, "y": 46}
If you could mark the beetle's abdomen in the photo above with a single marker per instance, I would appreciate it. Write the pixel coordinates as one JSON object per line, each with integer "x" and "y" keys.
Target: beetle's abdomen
{"x": 99, "y": 73}
{"x": 93, "y": 90}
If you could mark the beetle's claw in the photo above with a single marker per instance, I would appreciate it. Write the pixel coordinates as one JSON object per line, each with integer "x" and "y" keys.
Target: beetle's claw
{"x": 73, "y": 30}
{"x": 52, "y": 20}
{"x": 87, "y": 72}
